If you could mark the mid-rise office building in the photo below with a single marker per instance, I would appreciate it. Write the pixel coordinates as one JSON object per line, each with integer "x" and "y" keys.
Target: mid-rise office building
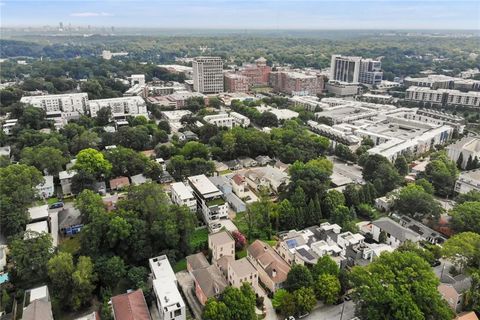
{"x": 296, "y": 82}
{"x": 236, "y": 82}
{"x": 210, "y": 200}
{"x": 208, "y": 74}
{"x": 355, "y": 70}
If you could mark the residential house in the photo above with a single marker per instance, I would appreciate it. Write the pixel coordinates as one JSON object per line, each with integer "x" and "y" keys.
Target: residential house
{"x": 196, "y": 261}
{"x": 187, "y": 136}
{"x": 247, "y": 162}
{"x": 239, "y": 185}
{"x": 182, "y": 195}
{"x": 66, "y": 181}
{"x": 169, "y": 301}
{"x": 222, "y": 183}
{"x": 266, "y": 177}
{"x": 281, "y": 166}
{"x": 42, "y": 220}
{"x": 119, "y": 183}
{"x": 236, "y": 203}
{"x": 209, "y": 280}
{"x": 37, "y": 304}
{"x": 210, "y": 200}
{"x": 240, "y": 271}
{"x": 395, "y": 233}
{"x": 426, "y": 233}
{"x": 46, "y": 188}
{"x": 221, "y": 244}
{"x": 263, "y": 160}
{"x": 139, "y": 179}
{"x": 466, "y": 316}
{"x": 233, "y": 164}
{"x": 130, "y": 306}
{"x": 272, "y": 269}
{"x": 453, "y": 288}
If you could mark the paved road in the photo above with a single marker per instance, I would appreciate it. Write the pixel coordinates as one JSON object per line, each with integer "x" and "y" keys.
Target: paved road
{"x": 333, "y": 312}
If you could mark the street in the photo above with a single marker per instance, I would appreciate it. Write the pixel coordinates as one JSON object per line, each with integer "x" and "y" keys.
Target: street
{"x": 333, "y": 312}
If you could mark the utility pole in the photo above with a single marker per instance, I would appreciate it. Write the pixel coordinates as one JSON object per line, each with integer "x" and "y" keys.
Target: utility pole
{"x": 343, "y": 308}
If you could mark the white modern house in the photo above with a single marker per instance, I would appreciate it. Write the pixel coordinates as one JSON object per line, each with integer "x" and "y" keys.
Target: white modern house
{"x": 46, "y": 188}
{"x": 182, "y": 195}
{"x": 209, "y": 198}
{"x": 169, "y": 301}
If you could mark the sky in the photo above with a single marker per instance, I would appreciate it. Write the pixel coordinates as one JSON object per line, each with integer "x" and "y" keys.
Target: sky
{"x": 245, "y": 14}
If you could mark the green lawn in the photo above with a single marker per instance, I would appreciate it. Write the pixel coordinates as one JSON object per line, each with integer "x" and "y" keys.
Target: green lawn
{"x": 52, "y": 200}
{"x": 180, "y": 266}
{"x": 240, "y": 222}
{"x": 199, "y": 239}
{"x": 225, "y": 172}
{"x": 241, "y": 254}
{"x": 70, "y": 245}
{"x": 271, "y": 243}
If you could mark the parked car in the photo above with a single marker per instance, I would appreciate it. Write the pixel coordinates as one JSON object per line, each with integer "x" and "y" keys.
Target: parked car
{"x": 290, "y": 318}
{"x": 56, "y": 205}
{"x": 339, "y": 301}
{"x": 436, "y": 263}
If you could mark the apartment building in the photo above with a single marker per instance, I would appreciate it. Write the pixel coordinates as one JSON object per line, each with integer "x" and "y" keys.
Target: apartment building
{"x": 210, "y": 200}
{"x": 296, "y": 82}
{"x": 468, "y": 147}
{"x": 72, "y": 105}
{"x": 228, "y": 120}
{"x": 439, "y": 81}
{"x": 169, "y": 301}
{"x": 241, "y": 271}
{"x": 182, "y": 195}
{"x": 120, "y": 107}
{"x": 236, "y": 82}
{"x": 208, "y": 75}
{"x": 443, "y": 97}
{"x": 468, "y": 181}
{"x": 257, "y": 73}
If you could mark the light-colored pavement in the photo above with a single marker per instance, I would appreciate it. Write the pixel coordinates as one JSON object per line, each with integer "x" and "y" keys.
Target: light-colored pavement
{"x": 186, "y": 283}
{"x": 333, "y": 312}
{"x": 270, "y": 312}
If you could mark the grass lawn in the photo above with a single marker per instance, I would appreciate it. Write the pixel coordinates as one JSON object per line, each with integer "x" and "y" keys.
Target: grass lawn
{"x": 241, "y": 223}
{"x": 225, "y": 172}
{"x": 271, "y": 243}
{"x": 52, "y": 200}
{"x": 241, "y": 254}
{"x": 180, "y": 266}
{"x": 199, "y": 238}
{"x": 70, "y": 245}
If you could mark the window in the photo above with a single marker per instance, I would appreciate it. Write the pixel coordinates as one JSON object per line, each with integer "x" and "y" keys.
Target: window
{"x": 178, "y": 312}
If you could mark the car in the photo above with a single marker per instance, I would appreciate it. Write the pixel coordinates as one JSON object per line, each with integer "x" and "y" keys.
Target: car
{"x": 339, "y": 301}
{"x": 56, "y": 205}
{"x": 347, "y": 297}
{"x": 290, "y": 318}
{"x": 436, "y": 263}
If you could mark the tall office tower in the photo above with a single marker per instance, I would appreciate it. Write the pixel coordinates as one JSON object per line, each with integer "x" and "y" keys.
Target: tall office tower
{"x": 208, "y": 74}
{"x": 355, "y": 70}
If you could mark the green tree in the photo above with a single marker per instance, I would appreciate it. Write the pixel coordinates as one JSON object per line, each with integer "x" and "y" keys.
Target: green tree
{"x": 312, "y": 177}
{"x": 286, "y": 215}
{"x": 83, "y": 282}
{"x": 137, "y": 277}
{"x": 401, "y": 165}
{"x": 215, "y": 310}
{"x": 398, "y": 285}
{"x": 327, "y": 288}
{"x": 463, "y": 249}
{"x": 278, "y": 297}
{"x": 460, "y": 161}
{"x": 442, "y": 173}
{"x": 103, "y": 116}
{"x": 110, "y": 270}
{"x": 60, "y": 269}
{"x": 471, "y": 196}
{"x": 304, "y": 299}
{"x": 92, "y": 162}
{"x": 298, "y": 277}
{"x": 18, "y": 182}
{"x": 194, "y": 149}
{"x": 413, "y": 201}
{"x": 325, "y": 265}
{"x": 37, "y": 156}
{"x": 31, "y": 256}
{"x": 332, "y": 200}
{"x": 379, "y": 171}
{"x": 466, "y": 217}
{"x": 427, "y": 186}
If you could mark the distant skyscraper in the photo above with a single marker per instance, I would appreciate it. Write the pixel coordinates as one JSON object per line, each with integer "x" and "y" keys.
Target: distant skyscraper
{"x": 355, "y": 70}
{"x": 60, "y": 25}
{"x": 208, "y": 74}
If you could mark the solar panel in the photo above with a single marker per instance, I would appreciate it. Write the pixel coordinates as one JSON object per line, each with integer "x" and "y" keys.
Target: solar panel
{"x": 292, "y": 243}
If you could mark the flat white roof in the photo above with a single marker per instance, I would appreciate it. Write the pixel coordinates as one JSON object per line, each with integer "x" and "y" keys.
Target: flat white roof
{"x": 162, "y": 269}
{"x": 184, "y": 192}
{"x": 39, "y": 212}
{"x": 203, "y": 185}
{"x": 38, "y": 293}
{"x": 66, "y": 174}
{"x": 167, "y": 293}
{"x": 39, "y": 227}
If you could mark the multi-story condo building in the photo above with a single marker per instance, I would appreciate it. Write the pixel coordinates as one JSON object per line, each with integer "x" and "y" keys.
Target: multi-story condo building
{"x": 468, "y": 181}
{"x": 236, "y": 82}
{"x": 120, "y": 107}
{"x": 228, "y": 120}
{"x": 440, "y": 81}
{"x": 210, "y": 200}
{"x": 169, "y": 301}
{"x": 71, "y": 104}
{"x": 355, "y": 70}
{"x": 296, "y": 82}
{"x": 468, "y": 148}
{"x": 182, "y": 195}
{"x": 208, "y": 74}
{"x": 443, "y": 96}
{"x": 257, "y": 73}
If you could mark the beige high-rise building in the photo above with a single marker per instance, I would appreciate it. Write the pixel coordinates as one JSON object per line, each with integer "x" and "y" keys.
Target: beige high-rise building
{"x": 208, "y": 74}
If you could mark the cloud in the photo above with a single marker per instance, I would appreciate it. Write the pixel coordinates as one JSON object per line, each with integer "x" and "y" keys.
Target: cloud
{"x": 91, "y": 14}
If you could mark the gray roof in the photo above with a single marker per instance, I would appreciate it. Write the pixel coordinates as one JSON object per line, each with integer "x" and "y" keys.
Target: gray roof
{"x": 396, "y": 230}
{"x": 210, "y": 280}
{"x": 39, "y": 309}
{"x": 197, "y": 261}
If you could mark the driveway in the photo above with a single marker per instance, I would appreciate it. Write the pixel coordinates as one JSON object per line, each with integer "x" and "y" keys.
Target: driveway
{"x": 334, "y": 312}
{"x": 186, "y": 283}
{"x": 270, "y": 312}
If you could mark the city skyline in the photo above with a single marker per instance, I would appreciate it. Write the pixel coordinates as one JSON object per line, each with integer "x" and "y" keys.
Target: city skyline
{"x": 264, "y": 14}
